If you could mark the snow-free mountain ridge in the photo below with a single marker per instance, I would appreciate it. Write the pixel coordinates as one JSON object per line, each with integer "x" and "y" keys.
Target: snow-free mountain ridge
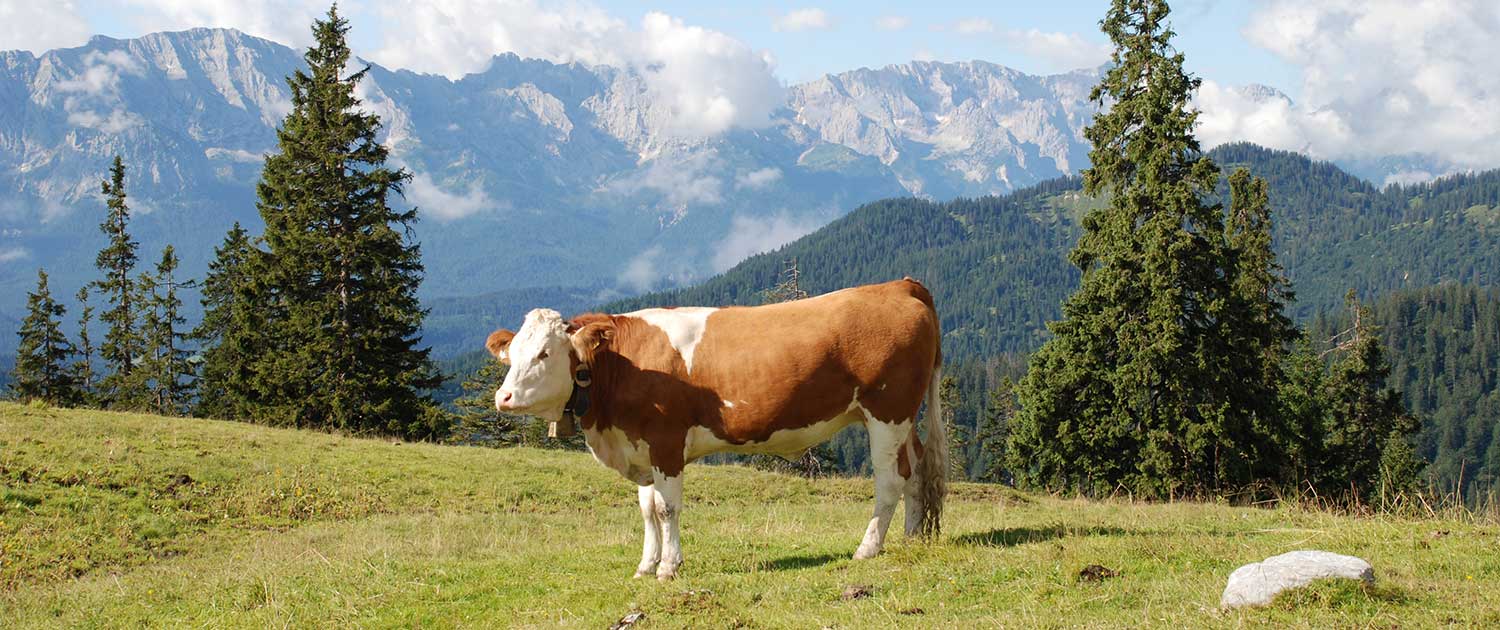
{"x": 529, "y": 173}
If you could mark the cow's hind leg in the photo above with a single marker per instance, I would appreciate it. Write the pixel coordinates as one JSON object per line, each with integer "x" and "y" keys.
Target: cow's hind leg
{"x": 668, "y": 491}
{"x": 885, "y": 447}
{"x": 912, "y": 450}
{"x": 651, "y": 549}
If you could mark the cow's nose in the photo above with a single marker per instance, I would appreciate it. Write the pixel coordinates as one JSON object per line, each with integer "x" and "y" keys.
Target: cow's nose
{"x": 502, "y": 399}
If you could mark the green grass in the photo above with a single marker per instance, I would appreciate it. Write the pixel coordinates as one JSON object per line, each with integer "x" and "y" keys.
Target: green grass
{"x": 115, "y": 520}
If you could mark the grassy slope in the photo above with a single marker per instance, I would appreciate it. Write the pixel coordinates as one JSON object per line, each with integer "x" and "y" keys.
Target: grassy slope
{"x": 98, "y": 526}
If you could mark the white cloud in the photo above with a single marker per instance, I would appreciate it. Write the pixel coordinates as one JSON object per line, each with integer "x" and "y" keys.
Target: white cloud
{"x": 233, "y": 155}
{"x": 974, "y": 26}
{"x": 456, "y": 37}
{"x": 101, "y": 73}
{"x": 1406, "y": 178}
{"x": 803, "y": 20}
{"x": 640, "y": 274}
{"x": 93, "y": 97}
{"x": 757, "y": 179}
{"x": 41, "y": 25}
{"x": 285, "y": 21}
{"x": 712, "y": 81}
{"x": 708, "y": 81}
{"x": 12, "y": 254}
{"x": 1060, "y": 51}
{"x": 652, "y": 269}
{"x": 892, "y": 22}
{"x": 430, "y": 199}
{"x": 690, "y": 181}
{"x": 116, "y": 121}
{"x": 749, "y": 236}
{"x": 1272, "y": 120}
{"x": 1379, "y": 78}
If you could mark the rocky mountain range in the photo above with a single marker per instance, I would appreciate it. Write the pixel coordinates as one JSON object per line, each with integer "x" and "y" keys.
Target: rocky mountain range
{"x": 529, "y": 173}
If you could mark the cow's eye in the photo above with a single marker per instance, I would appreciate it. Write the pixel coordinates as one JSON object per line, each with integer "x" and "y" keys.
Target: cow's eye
{"x": 541, "y": 356}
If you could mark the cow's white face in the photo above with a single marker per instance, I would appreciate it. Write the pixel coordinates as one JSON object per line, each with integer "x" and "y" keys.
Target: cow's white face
{"x": 540, "y": 379}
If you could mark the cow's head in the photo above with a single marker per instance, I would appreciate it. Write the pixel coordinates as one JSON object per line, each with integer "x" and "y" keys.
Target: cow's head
{"x": 543, "y": 356}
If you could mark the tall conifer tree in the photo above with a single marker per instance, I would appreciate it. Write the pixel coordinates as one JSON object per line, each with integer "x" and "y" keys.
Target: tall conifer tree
{"x": 229, "y": 333}
{"x": 1135, "y": 390}
{"x": 958, "y": 435}
{"x": 42, "y": 370}
{"x": 1304, "y": 408}
{"x": 165, "y": 363}
{"x": 478, "y": 422}
{"x": 85, "y": 365}
{"x": 122, "y": 339}
{"x": 1257, "y": 334}
{"x": 993, "y": 428}
{"x": 340, "y": 281}
{"x": 1367, "y": 430}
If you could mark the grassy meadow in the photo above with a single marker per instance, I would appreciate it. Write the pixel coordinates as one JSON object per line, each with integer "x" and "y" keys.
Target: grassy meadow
{"x": 110, "y": 520}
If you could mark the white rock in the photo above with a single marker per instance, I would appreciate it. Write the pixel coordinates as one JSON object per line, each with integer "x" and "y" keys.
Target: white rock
{"x": 1258, "y": 583}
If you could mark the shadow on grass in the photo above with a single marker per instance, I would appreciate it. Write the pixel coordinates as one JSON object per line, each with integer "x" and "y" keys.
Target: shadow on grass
{"x": 1012, "y": 536}
{"x": 805, "y": 561}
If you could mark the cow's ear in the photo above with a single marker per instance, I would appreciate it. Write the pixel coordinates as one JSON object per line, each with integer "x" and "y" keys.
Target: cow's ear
{"x": 499, "y": 344}
{"x": 589, "y": 339}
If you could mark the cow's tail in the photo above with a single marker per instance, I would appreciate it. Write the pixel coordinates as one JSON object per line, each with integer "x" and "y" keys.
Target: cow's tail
{"x": 934, "y": 468}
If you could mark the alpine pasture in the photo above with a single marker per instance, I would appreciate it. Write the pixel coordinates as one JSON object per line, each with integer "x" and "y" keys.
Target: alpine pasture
{"x": 113, "y": 519}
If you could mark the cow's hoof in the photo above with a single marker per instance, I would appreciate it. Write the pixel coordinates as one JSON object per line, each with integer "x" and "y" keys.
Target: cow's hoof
{"x": 865, "y": 553}
{"x": 645, "y": 569}
{"x": 667, "y": 572}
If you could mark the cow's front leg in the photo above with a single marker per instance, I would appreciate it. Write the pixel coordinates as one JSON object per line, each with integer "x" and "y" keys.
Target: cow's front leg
{"x": 668, "y": 503}
{"x": 651, "y": 549}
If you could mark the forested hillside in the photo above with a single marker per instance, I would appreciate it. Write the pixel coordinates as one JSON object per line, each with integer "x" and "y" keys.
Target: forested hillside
{"x": 997, "y": 264}
{"x": 1336, "y": 232}
{"x": 456, "y": 327}
{"x": 1443, "y": 343}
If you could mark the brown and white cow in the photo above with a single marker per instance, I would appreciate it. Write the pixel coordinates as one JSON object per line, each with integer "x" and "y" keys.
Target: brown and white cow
{"x": 667, "y": 386}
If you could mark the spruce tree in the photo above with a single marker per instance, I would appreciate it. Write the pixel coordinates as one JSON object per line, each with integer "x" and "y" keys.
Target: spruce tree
{"x": 230, "y": 331}
{"x": 339, "y": 285}
{"x": 84, "y": 368}
{"x": 121, "y": 349}
{"x": 1367, "y": 430}
{"x": 478, "y": 422}
{"x": 42, "y": 370}
{"x": 1256, "y": 332}
{"x": 993, "y": 429}
{"x": 165, "y": 363}
{"x": 958, "y": 435}
{"x": 1135, "y": 389}
{"x": 1304, "y": 412}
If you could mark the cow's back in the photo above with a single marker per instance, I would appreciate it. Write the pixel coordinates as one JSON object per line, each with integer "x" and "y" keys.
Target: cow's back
{"x": 795, "y": 363}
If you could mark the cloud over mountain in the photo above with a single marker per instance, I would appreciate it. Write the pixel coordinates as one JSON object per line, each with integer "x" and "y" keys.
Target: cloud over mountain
{"x": 710, "y": 82}
{"x": 1379, "y": 78}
